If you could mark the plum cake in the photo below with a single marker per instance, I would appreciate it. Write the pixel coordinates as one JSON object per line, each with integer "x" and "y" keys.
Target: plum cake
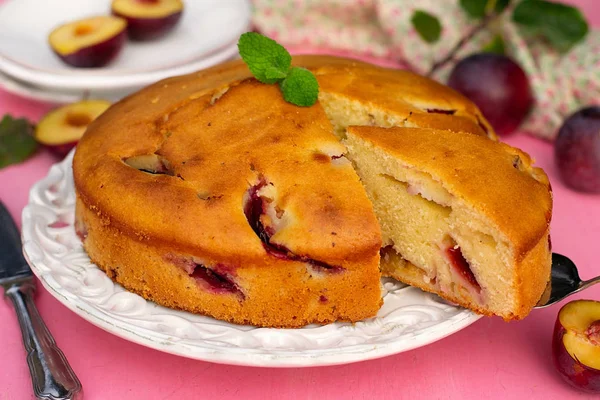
{"x": 461, "y": 215}
{"x": 209, "y": 193}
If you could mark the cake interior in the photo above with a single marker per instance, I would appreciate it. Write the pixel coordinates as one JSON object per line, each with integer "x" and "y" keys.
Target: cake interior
{"x": 432, "y": 239}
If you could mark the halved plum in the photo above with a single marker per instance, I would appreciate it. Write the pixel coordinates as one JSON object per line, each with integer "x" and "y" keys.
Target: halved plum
{"x": 90, "y": 42}
{"x": 148, "y": 19}
{"x": 61, "y": 129}
{"x": 576, "y": 344}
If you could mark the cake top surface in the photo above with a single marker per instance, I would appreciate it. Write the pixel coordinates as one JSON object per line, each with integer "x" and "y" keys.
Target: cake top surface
{"x": 213, "y": 137}
{"x": 494, "y": 178}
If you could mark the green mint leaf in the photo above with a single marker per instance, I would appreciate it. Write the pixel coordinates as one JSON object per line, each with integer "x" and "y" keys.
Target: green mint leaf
{"x": 495, "y": 46}
{"x": 480, "y": 8}
{"x": 427, "y": 26}
{"x": 16, "y": 140}
{"x": 273, "y": 73}
{"x": 300, "y": 87}
{"x": 562, "y": 25}
{"x": 268, "y": 61}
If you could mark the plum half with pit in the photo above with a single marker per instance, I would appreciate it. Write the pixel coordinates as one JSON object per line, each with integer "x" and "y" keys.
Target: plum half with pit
{"x": 61, "y": 129}
{"x": 498, "y": 86}
{"x": 90, "y": 42}
{"x": 577, "y": 150}
{"x": 576, "y": 344}
{"x": 148, "y": 19}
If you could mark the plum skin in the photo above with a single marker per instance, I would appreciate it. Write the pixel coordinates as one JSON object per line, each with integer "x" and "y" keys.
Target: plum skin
{"x": 577, "y": 150}
{"x": 140, "y": 29}
{"x": 572, "y": 371}
{"x": 96, "y": 55}
{"x": 60, "y": 150}
{"x": 498, "y": 86}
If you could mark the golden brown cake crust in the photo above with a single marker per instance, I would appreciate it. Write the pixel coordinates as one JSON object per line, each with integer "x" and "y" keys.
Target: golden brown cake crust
{"x": 217, "y": 137}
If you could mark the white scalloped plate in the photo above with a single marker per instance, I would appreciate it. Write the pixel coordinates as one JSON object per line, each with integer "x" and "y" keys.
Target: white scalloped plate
{"x": 408, "y": 319}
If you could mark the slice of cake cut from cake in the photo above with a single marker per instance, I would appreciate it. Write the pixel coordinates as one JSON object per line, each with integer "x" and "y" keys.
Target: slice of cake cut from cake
{"x": 461, "y": 216}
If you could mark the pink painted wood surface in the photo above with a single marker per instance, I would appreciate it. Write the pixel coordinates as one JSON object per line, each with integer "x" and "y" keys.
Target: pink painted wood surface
{"x": 490, "y": 359}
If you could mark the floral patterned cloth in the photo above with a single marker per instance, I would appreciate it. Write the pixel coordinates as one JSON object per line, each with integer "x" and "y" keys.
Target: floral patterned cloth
{"x": 382, "y": 29}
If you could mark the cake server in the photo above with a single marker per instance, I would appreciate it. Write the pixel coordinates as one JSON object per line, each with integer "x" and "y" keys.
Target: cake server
{"x": 51, "y": 374}
{"x": 564, "y": 281}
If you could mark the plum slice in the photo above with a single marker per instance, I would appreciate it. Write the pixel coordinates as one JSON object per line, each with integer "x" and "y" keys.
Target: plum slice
{"x": 219, "y": 283}
{"x": 216, "y": 279}
{"x": 150, "y": 163}
{"x": 256, "y": 211}
{"x": 461, "y": 266}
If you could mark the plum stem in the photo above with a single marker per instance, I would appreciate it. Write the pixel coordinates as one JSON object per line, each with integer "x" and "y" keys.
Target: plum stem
{"x": 450, "y": 56}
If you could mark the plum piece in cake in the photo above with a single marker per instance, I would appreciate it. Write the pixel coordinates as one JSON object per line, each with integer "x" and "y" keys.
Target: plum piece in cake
{"x": 458, "y": 216}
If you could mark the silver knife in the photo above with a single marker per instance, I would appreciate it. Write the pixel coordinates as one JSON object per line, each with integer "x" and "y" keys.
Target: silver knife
{"x": 51, "y": 374}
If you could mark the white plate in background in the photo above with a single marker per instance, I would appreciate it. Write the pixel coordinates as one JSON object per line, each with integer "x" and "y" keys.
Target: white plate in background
{"x": 57, "y": 96}
{"x": 28, "y": 91}
{"x": 206, "y": 35}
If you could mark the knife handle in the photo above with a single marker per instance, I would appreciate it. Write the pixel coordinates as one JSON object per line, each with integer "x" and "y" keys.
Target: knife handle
{"x": 51, "y": 374}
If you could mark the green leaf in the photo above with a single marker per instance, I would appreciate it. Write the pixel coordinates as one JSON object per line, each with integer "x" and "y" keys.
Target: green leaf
{"x": 300, "y": 87}
{"x": 273, "y": 73}
{"x": 496, "y": 45}
{"x": 16, "y": 140}
{"x": 480, "y": 8}
{"x": 427, "y": 26}
{"x": 268, "y": 61}
{"x": 562, "y": 25}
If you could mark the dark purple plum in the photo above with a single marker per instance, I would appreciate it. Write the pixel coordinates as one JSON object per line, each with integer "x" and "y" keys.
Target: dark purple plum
{"x": 577, "y": 150}
{"x": 498, "y": 86}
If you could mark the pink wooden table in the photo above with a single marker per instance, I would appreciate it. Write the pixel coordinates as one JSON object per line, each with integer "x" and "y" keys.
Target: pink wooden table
{"x": 490, "y": 359}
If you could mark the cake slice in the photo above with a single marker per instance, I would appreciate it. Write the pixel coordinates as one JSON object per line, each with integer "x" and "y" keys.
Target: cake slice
{"x": 461, "y": 215}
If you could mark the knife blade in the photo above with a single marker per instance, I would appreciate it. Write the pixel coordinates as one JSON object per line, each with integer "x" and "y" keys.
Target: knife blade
{"x": 13, "y": 267}
{"x": 51, "y": 374}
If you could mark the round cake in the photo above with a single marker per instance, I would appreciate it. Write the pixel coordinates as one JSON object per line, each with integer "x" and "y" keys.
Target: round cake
{"x": 209, "y": 193}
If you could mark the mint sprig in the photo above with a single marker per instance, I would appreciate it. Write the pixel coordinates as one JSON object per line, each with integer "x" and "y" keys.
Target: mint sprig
{"x": 271, "y": 63}
{"x": 16, "y": 140}
{"x": 300, "y": 87}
